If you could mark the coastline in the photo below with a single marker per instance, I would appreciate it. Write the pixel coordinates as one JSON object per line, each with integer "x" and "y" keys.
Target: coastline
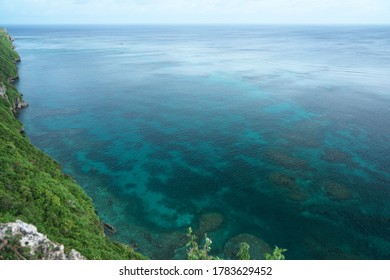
{"x": 32, "y": 186}
{"x": 301, "y": 167}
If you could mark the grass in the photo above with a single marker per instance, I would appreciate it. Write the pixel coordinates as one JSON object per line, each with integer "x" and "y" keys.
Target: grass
{"x": 34, "y": 189}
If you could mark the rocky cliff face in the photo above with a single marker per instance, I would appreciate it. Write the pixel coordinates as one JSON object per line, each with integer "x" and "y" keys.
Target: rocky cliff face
{"x": 19, "y": 104}
{"x": 25, "y": 242}
{"x": 9, "y": 73}
{"x": 3, "y": 90}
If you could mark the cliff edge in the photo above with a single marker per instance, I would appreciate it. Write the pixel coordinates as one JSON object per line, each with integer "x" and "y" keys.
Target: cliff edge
{"x": 34, "y": 189}
{"x": 22, "y": 241}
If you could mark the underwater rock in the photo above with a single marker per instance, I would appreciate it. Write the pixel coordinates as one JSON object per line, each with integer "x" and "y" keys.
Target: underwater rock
{"x": 181, "y": 253}
{"x": 297, "y": 195}
{"x": 337, "y": 253}
{"x": 287, "y": 160}
{"x": 316, "y": 246}
{"x": 168, "y": 243}
{"x": 302, "y": 140}
{"x": 293, "y": 191}
{"x": 305, "y": 133}
{"x": 324, "y": 211}
{"x": 257, "y": 246}
{"x": 282, "y": 179}
{"x": 337, "y": 191}
{"x": 337, "y": 156}
{"x": 367, "y": 223}
{"x": 210, "y": 222}
{"x": 110, "y": 228}
{"x": 160, "y": 246}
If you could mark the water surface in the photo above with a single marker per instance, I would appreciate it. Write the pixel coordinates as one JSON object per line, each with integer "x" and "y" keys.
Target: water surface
{"x": 279, "y": 132}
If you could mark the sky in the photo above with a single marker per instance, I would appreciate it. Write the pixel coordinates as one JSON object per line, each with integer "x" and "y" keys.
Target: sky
{"x": 195, "y": 11}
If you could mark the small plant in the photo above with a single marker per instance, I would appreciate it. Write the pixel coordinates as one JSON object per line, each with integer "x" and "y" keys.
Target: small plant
{"x": 277, "y": 254}
{"x": 243, "y": 252}
{"x": 196, "y": 252}
{"x": 10, "y": 248}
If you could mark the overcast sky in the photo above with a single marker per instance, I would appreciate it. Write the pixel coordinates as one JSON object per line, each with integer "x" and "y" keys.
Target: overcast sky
{"x": 195, "y": 11}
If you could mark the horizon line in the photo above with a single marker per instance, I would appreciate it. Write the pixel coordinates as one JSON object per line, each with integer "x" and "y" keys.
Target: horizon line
{"x": 197, "y": 23}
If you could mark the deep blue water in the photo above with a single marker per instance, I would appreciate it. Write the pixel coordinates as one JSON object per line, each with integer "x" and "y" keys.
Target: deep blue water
{"x": 282, "y": 132}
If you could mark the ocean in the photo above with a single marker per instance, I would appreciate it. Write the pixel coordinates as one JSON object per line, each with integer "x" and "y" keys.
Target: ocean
{"x": 272, "y": 135}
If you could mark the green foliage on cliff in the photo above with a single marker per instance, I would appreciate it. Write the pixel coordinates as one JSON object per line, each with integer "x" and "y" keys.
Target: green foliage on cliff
{"x": 33, "y": 188}
{"x": 8, "y": 68}
{"x": 11, "y": 249}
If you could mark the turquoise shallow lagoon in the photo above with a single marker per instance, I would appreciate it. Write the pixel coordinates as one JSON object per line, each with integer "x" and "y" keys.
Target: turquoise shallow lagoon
{"x": 262, "y": 132}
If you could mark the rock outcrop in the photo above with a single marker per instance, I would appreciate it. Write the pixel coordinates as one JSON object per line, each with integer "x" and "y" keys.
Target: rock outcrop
{"x": 293, "y": 191}
{"x": 19, "y": 104}
{"x": 3, "y": 90}
{"x": 38, "y": 245}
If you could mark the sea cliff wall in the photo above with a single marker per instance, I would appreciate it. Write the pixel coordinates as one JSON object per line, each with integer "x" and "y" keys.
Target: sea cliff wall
{"x": 33, "y": 188}
{"x": 23, "y": 241}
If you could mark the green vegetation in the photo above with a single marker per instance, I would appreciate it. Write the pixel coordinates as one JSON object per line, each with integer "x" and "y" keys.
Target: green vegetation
{"x": 10, "y": 249}
{"x": 198, "y": 252}
{"x": 277, "y": 254}
{"x": 243, "y": 252}
{"x": 33, "y": 188}
{"x": 8, "y": 56}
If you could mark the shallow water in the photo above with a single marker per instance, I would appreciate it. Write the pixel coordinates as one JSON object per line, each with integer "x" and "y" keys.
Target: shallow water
{"x": 282, "y": 131}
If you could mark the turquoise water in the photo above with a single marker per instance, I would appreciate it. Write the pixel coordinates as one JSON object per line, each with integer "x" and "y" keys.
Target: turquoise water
{"x": 280, "y": 132}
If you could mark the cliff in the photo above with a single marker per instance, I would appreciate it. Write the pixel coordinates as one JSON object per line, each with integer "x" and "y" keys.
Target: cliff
{"x": 34, "y": 189}
{"x": 22, "y": 241}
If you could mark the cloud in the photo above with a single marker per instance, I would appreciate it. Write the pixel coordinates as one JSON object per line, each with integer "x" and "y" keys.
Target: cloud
{"x": 195, "y": 11}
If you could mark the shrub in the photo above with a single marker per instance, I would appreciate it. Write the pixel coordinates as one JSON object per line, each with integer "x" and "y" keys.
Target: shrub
{"x": 243, "y": 252}
{"x": 197, "y": 252}
{"x": 277, "y": 254}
